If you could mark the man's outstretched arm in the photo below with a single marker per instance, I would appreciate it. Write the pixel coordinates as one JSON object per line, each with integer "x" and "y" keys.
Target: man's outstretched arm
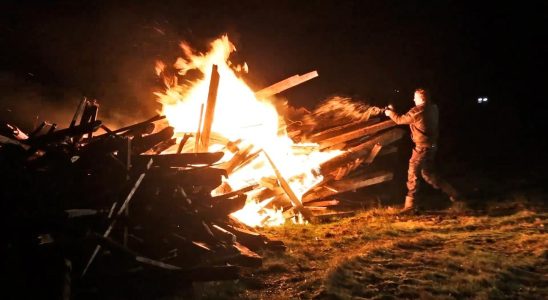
{"x": 406, "y": 118}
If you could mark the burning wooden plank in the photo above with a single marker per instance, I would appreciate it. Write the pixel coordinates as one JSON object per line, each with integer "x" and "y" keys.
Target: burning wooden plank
{"x": 181, "y": 160}
{"x": 361, "y": 150}
{"x": 338, "y": 130}
{"x": 324, "y": 203}
{"x": 285, "y": 84}
{"x": 341, "y": 186}
{"x": 287, "y": 189}
{"x": 198, "y": 136}
{"x": 237, "y": 159}
{"x": 210, "y": 109}
{"x": 345, "y": 137}
{"x": 183, "y": 142}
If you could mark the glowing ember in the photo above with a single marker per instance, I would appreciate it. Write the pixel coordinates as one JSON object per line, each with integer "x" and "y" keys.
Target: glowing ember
{"x": 239, "y": 115}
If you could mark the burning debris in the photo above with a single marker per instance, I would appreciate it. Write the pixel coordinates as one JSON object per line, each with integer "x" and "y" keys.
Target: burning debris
{"x": 180, "y": 199}
{"x": 290, "y": 158}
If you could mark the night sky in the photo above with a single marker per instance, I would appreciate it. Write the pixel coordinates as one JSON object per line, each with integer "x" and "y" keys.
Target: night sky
{"x": 55, "y": 52}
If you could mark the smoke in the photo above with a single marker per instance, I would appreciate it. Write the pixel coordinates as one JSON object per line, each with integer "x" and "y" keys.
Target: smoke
{"x": 26, "y": 104}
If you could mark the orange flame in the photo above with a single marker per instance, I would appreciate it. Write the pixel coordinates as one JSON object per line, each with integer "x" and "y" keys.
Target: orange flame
{"x": 239, "y": 115}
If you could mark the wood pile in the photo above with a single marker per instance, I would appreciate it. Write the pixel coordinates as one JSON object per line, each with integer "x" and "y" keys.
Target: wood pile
{"x": 122, "y": 211}
{"x": 360, "y": 135}
{"x": 111, "y": 212}
{"x": 360, "y": 144}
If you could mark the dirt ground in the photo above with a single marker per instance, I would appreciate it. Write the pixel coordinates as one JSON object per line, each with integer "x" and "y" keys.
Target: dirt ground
{"x": 496, "y": 250}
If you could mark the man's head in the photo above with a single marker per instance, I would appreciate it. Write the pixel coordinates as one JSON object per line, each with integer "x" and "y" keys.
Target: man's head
{"x": 421, "y": 96}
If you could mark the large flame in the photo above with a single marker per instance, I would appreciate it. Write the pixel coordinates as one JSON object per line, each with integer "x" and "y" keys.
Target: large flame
{"x": 239, "y": 115}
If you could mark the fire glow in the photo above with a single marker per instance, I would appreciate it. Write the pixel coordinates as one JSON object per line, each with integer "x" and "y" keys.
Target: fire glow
{"x": 239, "y": 116}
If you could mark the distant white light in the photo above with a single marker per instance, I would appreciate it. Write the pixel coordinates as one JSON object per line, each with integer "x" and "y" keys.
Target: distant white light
{"x": 482, "y": 99}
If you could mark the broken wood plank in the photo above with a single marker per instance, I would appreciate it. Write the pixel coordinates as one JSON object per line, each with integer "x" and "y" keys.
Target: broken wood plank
{"x": 163, "y": 146}
{"x": 180, "y": 160}
{"x": 345, "y": 185}
{"x": 323, "y": 203}
{"x": 183, "y": 142}
{"x": 388, "y": 150}
{"x": 210, "y": 109}
{"x": 130, "y": 127}
{"x": 237, "y": 159}
{"x": 251, "y": 239}
{"x": 198, "y": 135}
{"x": 315, "y": 208}
{"x": 235, "y": 193}
{"x": 141, "y": 144}
{"x": 79, "y": 108}
{"x": 361, "y": 150}
{"x": 338, "y": 130}
{"x": 345, "y": 137}
{"x": 285, "y": 84}
{"x": 120, "y": 211}
{"x": 374, "y": 152}
{"x": 220, "y": 209}
{"x": 62, "y": 134}
{"x": 288, "y": 190}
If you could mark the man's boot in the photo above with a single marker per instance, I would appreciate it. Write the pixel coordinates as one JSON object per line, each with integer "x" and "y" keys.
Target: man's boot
{"x": 409, "y": 206}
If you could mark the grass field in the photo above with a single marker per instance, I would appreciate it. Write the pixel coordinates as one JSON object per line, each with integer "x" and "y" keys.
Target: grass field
{"x": 498, "y": 252}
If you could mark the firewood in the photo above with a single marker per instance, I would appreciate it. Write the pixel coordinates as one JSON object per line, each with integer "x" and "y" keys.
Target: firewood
{"x": 220, "y": 209}
{"x": 146, "y": 128}
{"x": 131, "y": 127}
{"x": 323, "y": 203}
{"x": 62, "y": 134}
{"x": 237, "y": 159}
{"x": 120, "y": 211}
{"x": 180, "y": 160}
{"x": 144, "y": 143}
{"x": 287, "y": 189}
{"x": 224, "y": 234}
{"x": 198, "y": 135}
{"x": 315, "y": 208}
{"x": 285, "y": 84}
{"x": 163, "y": 146}
{"x": 363, "y": 149}
{"x": 210, "y": 110}
{"x": 78, "y": 111}
{"x": 211, "y": 177}
{"x": 336, "y": 187}
{"x": 183, "y": 142}
{"x": 372, "y": 129}
{"x": 338, "y": 130}
{"x": 249, "y": 238}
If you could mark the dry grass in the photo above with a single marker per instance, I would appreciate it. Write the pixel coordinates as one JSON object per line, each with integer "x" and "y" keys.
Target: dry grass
{"x": 500, "y": 253}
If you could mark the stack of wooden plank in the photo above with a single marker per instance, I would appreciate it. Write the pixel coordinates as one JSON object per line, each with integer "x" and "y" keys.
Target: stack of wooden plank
{"x": 358, "y": 131}
{"x": 105, "y": 210}
{"x": 360, "y": 144}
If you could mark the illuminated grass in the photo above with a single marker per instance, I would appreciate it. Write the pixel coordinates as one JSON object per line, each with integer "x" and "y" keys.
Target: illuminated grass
{"x": 380, "y": 255}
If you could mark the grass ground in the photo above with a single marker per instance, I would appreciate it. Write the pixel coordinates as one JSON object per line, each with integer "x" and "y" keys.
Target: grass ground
{"x": 498, "y": 252}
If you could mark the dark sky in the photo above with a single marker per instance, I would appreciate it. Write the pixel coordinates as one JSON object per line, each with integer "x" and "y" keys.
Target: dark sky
{"x": 54, "y": 52}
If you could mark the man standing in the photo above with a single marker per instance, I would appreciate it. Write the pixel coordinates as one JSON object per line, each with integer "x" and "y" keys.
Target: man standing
{"x": 423, "y": 120}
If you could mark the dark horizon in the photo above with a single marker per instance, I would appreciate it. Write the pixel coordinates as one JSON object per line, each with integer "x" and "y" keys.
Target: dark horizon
{"x": 58, "y": 51}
